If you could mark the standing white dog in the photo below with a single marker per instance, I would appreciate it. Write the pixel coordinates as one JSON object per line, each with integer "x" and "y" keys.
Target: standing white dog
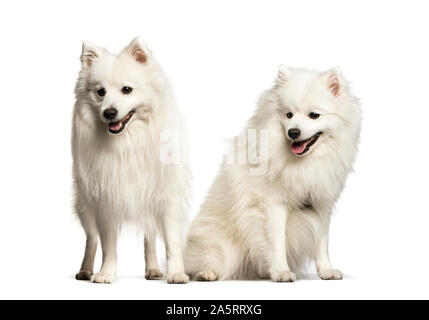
{"x": 129, "y": 159}
{"x": 267, "y": 215}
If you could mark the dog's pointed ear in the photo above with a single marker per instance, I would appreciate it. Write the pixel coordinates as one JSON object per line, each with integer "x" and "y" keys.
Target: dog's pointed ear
{"x": 90, "y": 52}
{"x": 139, "y": 50}
{"x": 282, "y": 75}
{"x": 335, "y": 81}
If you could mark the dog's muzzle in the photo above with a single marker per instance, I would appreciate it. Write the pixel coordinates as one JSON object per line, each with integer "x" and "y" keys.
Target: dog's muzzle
{"x": 302, "y": 147}
{"x": 118, "y": 126}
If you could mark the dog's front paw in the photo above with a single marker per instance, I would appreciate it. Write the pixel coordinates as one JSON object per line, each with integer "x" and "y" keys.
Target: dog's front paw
{"x": 103, "y": 278}
{"x": 177, "y": 278}
{"x": 283, "y": 276}
{"x": 206, "y": 276}
{"x": 83, "y": 275}
{"x": 153, "y": 274}
{"x": 330, "y": 274}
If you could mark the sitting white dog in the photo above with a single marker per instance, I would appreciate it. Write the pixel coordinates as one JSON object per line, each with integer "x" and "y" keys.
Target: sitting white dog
{"x": 125, "y": 128}
{"x": 263, "y": 219}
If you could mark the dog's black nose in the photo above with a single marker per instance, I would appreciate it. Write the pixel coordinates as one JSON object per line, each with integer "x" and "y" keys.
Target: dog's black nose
{"x": 294, "y": 133}
{"x": 110, "y": 113}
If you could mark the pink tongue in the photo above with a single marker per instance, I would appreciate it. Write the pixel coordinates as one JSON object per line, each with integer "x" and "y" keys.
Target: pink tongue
{"x": 115, "y": 126}
{"x": 299, "y": 147}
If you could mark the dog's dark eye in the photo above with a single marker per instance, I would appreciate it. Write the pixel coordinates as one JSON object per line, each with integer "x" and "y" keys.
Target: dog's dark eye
{"x": 101, "y": 92}
{"x": 289, "y": 115}
{"x": 314, "y": 115}
{"x": 127, "y": 90}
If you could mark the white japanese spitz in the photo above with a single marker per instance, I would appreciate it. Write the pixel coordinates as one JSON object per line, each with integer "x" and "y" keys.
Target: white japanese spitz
{"x": 265, "y": 216}
{"x": 126, "y": 126}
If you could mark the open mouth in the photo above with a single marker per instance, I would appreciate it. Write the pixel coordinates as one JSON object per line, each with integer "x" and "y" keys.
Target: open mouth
{"x": 301, "y": 147}
{"x": 118, "y": 126}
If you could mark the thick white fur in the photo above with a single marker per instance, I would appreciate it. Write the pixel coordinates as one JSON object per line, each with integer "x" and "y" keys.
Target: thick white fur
{"x": 122, "y": 178}
{"x": 253, "y": 225}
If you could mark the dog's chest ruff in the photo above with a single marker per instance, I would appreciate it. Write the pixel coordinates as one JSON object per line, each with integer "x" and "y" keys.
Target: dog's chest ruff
{"x": 310, "y": 188}
{"x": 124, "y": 179}
{"x": 306, "y": 205}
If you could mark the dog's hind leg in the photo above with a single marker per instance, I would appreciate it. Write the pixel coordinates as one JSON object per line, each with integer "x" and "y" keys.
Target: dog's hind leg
{"x": 108, "y": 237}
{"x": 88, "y": 224}
{"x": 208, "y": 261}
{"x": 209, "y": 256}
{"x": 152, "y": 267}
{"x": 204, "y": 261}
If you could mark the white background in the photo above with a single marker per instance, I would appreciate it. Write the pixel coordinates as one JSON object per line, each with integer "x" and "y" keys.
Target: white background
{"x": 219, "y": 56}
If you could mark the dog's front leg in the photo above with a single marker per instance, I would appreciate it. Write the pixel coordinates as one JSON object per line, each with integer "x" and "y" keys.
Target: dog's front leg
{"x": 152, "y": 268}
{"x": 323, "y": 264}
{"x": 276, "y": 235}
{"x": 108, "y": 239}
{"x": 88, "y": 223}
{"x": 87, "y": 266}
{"x": 173, "y": 220}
